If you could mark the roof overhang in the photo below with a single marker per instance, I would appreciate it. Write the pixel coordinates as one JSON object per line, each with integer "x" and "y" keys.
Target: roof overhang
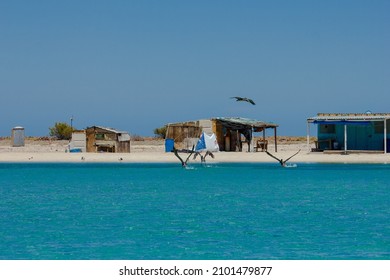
{"x": 243, "y": 123}
{"x": 348, "y": 118}
{"x": 108, "y": 129}
{"x": 342, "y": 122}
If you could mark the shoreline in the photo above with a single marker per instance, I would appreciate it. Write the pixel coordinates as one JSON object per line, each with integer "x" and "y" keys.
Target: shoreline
{"x": 162, "y": 157}
{"x": 153, "y": 151}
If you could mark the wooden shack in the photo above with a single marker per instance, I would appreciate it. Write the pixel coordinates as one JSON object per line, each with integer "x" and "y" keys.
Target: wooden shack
{"x": 103, "y": 139}
{"x": 180, "y": 131}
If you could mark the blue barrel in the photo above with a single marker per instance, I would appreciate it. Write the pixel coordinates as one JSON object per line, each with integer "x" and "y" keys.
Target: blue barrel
{"x": 169, "y": 144}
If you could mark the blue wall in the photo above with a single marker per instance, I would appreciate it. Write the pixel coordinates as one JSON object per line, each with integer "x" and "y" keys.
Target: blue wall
{"x": 359, "y": 137}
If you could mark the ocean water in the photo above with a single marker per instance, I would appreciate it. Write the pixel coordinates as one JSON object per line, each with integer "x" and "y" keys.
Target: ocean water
{"x": 219, "y": 211}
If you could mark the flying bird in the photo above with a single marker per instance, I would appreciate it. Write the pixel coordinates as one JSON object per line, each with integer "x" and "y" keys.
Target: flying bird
{"x": 238, "y": 98}
{"x": 183, "y": 162}
{"x": 281, "y": 161}
{"x": 203, "y": 157}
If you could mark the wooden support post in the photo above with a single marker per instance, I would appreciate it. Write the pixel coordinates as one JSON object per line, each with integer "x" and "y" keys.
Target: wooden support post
{"x": 276, "y": 141}
{"x": 385, "y": 136}
{"x": 345, "y": 138}
{"x": 250, "y": 142}
{"x": 308, "y": 136}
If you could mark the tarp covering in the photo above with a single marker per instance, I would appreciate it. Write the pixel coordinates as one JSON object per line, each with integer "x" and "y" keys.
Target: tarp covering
{"x": 207, "y": 143}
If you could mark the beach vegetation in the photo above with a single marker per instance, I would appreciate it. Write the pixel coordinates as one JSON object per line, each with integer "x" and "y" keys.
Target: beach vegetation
{"x": 136, "y": 137}
{"x": 160, "y": 132}
{"x": 61, "y": 131}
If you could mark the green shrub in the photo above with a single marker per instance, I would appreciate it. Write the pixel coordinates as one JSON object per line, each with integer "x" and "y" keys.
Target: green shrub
{"x": 61, "y": 131}
{"x": 160, "y": 132}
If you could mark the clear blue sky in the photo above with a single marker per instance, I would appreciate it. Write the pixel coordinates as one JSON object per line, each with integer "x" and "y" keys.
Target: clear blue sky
{"x": 137, "y": 65}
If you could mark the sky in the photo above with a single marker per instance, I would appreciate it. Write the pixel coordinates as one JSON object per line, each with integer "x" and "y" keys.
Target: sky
{"x": 138, "y": 65}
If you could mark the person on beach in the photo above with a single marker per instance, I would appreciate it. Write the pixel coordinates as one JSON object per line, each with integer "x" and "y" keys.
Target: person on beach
{"x": 281, "y": 161}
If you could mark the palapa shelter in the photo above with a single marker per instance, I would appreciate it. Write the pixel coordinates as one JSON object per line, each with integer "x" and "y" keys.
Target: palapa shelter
{"x": 351, "y": 132}
{"x": 103, "y": 139}
{"x": 227, "y": 130}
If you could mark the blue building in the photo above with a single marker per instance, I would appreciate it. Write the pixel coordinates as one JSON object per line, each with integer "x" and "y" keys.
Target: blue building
{"x": 351, "y": 132}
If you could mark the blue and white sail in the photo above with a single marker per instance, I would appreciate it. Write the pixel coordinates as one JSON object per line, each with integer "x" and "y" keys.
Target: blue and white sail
{"x": 207, "y": 143}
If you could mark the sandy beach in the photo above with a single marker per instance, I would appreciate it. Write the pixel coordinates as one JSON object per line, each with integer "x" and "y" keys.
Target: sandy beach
{"x": 153, "y": 150}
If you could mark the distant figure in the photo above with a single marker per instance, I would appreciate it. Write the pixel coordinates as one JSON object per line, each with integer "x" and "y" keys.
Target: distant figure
{"x": 82, "y": 158}
{"x": 281, "y": 161}
{"x": 183, "y": 163}
{"x": 203, "y": 158}
{"x": 238, "y": 98}
{"x": 120, "y": 159}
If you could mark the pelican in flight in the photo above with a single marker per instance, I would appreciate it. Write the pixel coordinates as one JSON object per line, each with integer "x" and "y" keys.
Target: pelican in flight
{"x": 183, "y": 163}
{"x": 281, "y": 161}
{"x": 238, "y": 98}
{"x": 203, "y": 157}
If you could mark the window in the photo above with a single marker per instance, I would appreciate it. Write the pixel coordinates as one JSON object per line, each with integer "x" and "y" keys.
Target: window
{"x": 379, "y": 127}
{"x": 327, "y": 128}
{"x": 99, "y": 136}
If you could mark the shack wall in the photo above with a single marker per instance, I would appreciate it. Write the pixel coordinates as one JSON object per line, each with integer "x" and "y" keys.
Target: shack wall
{"x": 359, "y": 137}
{"x": 123, "y": 147}
{"x": 218, "y": 131}
{"x": 90, "y": 140}
{"x": 78, "y": 141}
{"x": 179, "y": 132}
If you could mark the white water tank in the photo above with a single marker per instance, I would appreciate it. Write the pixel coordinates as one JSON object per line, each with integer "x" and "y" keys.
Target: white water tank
{"x": 17, "y": 136}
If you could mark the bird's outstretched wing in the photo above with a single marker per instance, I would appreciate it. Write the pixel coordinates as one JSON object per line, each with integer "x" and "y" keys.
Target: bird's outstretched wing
{"x": 177, "y": 155}
{"x": 251, "y": 101}
{"x": 208, "y": 153}
{"x": 196, "y": 154}
{"x": 239, "y": 98}
{"x": 191, "y": 152}
{"x": 271, "y": 155}
{"x": 176, "y": 152}
{"x": 292, "y": 155}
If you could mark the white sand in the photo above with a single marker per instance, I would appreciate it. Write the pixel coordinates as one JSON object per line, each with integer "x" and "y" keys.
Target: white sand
{"x": 153, "y": 151}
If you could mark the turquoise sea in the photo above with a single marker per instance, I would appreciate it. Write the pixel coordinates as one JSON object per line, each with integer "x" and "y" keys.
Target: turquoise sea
{"x": 219, "y": 211}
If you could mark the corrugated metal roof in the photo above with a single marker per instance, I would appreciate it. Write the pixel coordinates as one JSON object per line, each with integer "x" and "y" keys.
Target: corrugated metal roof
{"x": 247, "y": 122}
{"x": 188, "y": 123}
{"x": 349, "y": 117}
{"x": 110, "y": 129}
